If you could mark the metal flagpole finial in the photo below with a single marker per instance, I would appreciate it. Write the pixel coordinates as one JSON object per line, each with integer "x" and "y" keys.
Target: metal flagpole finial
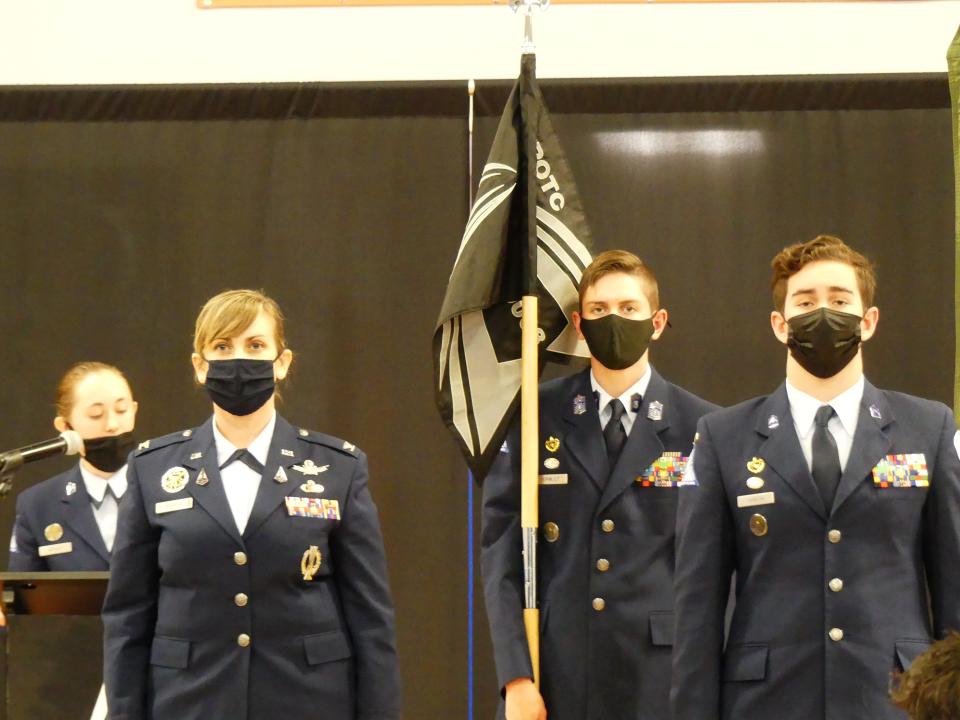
{"x": 528, "y": 47}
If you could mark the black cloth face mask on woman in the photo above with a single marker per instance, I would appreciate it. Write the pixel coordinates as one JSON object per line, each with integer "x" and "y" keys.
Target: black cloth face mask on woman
{"x": 824, "y": 341}
{"x": 240, "y": 386}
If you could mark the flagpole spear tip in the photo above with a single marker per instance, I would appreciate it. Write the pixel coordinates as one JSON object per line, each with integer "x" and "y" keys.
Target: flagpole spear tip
{"x": 528, "y": 47}
{"x": 471, "y": 86}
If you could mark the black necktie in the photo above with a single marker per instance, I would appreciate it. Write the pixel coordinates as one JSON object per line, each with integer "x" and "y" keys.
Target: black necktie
{"x": 826, "y": 459}
{"x": 109, "y": 491}
{"x": 613, "y": 434}
{"x": 244, "y": 456}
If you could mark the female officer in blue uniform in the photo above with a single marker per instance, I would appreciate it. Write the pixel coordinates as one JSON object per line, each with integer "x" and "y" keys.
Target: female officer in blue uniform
{"x": 68, "y": 522}
{"x": 248, "y": 578}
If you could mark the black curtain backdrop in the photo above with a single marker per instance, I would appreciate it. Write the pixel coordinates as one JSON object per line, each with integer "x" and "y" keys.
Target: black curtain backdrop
{"x": 123, "y": 208}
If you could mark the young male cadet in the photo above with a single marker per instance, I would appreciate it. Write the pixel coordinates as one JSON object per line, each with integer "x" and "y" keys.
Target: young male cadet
{"x": 613, "y": 443}
{"x": 838, "y": 505}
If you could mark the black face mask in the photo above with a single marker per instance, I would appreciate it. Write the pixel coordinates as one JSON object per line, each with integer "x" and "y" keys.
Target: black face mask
{"x": 109, "y": 453}
{"x": 824, "y": 341}
{"x": 617, "y": 343}
{"x": 240, "y": 386}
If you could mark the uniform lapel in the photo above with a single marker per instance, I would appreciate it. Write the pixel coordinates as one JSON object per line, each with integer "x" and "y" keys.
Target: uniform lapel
{"x": 78, "y": 514}
{"x": 782, "y": 450}
{"x": 870, "y": 442}
{"x": 643, "y": 445}
{"x": 585, "y": 438}
{"x": 271, "y": 492}
{"x": 210, "y": 496}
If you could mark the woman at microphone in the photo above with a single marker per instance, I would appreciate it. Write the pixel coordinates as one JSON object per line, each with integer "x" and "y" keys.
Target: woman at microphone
{"x": 248, "y": 579}
{"x": 68, "y": 522}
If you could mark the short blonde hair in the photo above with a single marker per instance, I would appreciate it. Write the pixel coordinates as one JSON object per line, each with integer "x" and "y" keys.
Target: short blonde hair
{"x": 232, "y": 311}
{"x": 621, "y": 261}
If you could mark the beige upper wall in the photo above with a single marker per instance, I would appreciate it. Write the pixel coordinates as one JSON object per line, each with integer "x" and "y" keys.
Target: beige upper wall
{"x": 171, "y": 41}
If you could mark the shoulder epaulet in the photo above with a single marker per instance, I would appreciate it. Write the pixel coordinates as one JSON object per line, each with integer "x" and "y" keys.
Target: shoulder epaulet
{"x": 156, "y": 443}
{"x": 329, "y": 441}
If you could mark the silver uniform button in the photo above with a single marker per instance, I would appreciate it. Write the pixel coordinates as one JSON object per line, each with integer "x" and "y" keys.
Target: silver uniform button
{"x": 243, "y": 640}
{"x": 836, "y": 585}
{"x": 603, "y": 564}
{"x": 240, "y": 599}
{"x": 599, "y": 604}
{"x": 835, "y": 536}
{"x": 836, "y": 634}
{"x": 607, "y": 525}
{"x": 240, "y": 558}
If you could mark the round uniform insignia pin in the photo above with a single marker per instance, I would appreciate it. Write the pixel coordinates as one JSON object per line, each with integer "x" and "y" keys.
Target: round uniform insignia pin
{"x": 756, "y": 465}
{"x": 758, "y": 525}
{"x": 175, "y": 479}
{"x": 551, "y": 532}
{"x": 53, "y": 532}
{"x": 755, "y": 483}
{"x": 551, "y": 463}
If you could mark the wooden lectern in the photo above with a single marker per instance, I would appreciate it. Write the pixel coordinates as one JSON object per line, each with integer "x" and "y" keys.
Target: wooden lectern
{"x": 51, "y": 663}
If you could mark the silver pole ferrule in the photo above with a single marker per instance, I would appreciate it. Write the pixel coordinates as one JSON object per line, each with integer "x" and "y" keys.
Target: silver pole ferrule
{"x": 529, "y": 567}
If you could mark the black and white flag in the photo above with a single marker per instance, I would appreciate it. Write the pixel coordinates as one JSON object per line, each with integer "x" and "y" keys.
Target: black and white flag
{"x": 526, "y": 234}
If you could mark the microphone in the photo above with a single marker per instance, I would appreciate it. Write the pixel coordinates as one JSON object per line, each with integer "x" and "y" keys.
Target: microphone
{"x": 68, "y": 442}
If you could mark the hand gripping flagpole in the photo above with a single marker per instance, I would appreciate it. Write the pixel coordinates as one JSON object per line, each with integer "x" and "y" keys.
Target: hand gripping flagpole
{"x": 529, "y": 390}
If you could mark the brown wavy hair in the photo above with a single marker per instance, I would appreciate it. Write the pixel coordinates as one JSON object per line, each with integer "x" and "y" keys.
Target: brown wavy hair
{"x": 791, "y": 260}
{"x": 930, "y": 689}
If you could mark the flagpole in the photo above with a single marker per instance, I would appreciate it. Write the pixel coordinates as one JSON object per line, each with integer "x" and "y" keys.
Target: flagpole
{"x": 471, "y": 89}
{"x": 529, "y": 388}
{"x": 529, "y": 505}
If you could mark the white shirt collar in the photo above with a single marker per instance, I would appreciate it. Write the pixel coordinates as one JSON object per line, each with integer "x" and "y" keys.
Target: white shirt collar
{"x": 259, "y": 448}
{"x": 604, "y": 398}
{"x": 804, "y": 407}
{"x": 97, "y": 486}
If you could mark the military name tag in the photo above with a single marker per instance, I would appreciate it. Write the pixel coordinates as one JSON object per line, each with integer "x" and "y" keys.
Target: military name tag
{"x": 57, "y": 549}
{"x": 554, "y": 479}
{"x": 666, "y": 471}
{"x": 173, "y": 505}
{"x": 765, "y": 498}
{"x": 901, "y": 471}
{"x": 319, "y": 508}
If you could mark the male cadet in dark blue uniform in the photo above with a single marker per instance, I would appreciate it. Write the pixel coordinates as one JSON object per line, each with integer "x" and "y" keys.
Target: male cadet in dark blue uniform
{"x": 838, "y": 506}
{"x": 614, "y": 441}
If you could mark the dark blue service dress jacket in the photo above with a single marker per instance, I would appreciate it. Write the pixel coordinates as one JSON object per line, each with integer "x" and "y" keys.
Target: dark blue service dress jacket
{"x": 829, "y": 601}
{"x": 292, "y": 619}
{"x": 605, "y": 553}
{"x": 55, "y": 528}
